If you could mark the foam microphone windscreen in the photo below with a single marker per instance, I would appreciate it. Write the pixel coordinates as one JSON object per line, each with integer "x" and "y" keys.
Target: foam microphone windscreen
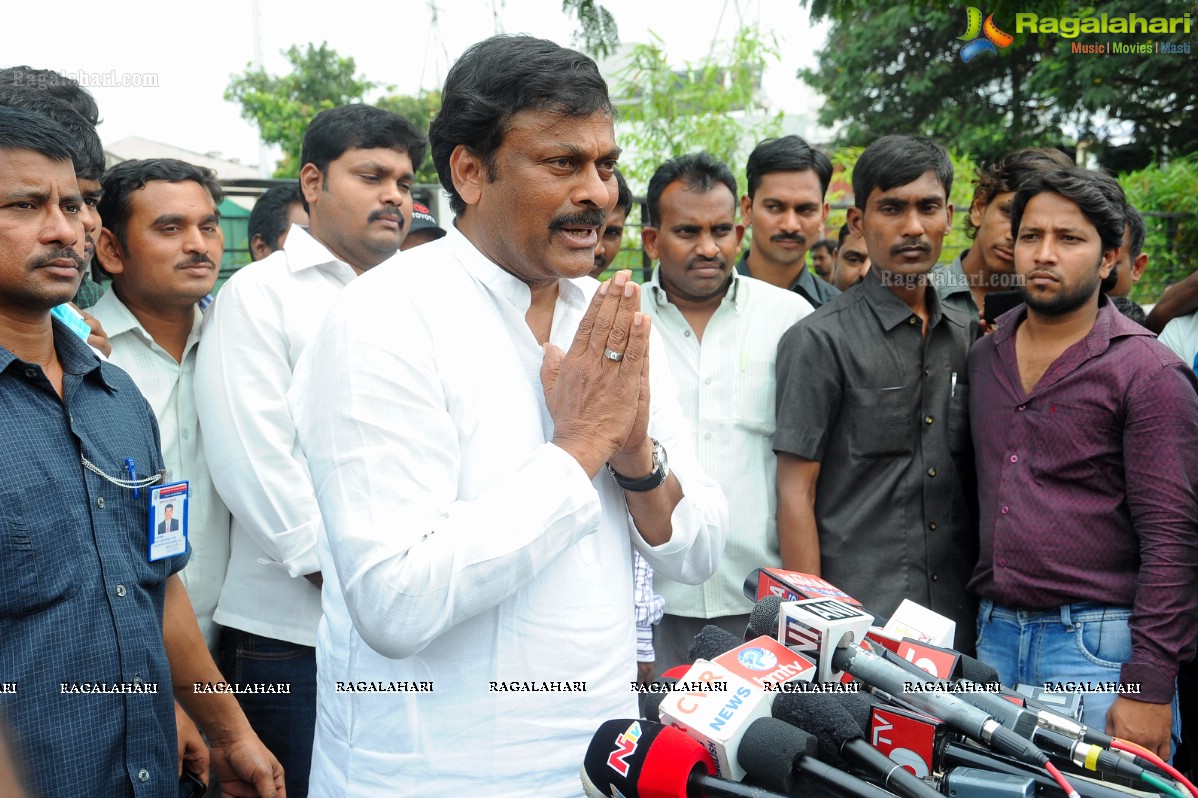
{"x": 819, "y": 714}
{"x": 977, "y": 671}
{"x": 769, "y": 750}
{"x": 641, "y": 758}
{"x": 650, "y": 701}
{"x": 711, "y": 642}
{"x": 764, "y": 618}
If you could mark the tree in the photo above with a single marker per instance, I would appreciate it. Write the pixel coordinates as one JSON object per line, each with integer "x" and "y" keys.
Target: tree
{"x": 283, "y": 106}
{"x": 598, "y": 35}
{"x": 894, "y": 67}
{"x": 418, "y": 110}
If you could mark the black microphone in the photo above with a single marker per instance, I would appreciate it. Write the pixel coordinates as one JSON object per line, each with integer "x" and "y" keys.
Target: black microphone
{"x": 837, "y": 722}
{"x": 650, "y": 700}
{"x": 711, "y": 642}
{"x": 642, "y": 759}
{"x": 778, "y": 755}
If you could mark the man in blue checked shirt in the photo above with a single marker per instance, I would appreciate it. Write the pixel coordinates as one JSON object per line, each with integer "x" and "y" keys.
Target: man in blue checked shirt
{"x": 92, "y": 629}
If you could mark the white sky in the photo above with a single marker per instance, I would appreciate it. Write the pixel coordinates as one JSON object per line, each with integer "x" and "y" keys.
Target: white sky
{"x": 194, "y": 50}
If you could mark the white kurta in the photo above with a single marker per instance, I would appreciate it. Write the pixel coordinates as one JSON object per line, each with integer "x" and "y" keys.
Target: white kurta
{"x": 460, "y": 547}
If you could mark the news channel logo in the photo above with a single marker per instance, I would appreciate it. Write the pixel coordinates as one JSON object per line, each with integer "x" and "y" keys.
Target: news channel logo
{"x": 982, "y": 37}
{"x": 757, "y": 659}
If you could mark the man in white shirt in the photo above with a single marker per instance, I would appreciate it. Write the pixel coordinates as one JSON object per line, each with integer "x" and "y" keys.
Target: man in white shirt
{"x": 162, "y": 243}
{"x": 721, "y": 332}
{"x": 358, "y": 167}
{"x": 477, "y": 549}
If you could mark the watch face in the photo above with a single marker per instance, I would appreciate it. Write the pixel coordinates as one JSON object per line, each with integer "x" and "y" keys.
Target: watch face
{"x": 659, "y": 458}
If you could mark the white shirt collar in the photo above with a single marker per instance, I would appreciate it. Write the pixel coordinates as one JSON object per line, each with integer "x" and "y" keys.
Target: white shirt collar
{"x": 118, "y": 319}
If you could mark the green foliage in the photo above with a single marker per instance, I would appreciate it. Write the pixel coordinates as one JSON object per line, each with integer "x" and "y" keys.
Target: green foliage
{"x": 707, "y": 106}
{"x": 283, "y": 106}
{"x": 893, "y": 67}
{"x": 1165, "y": 195}
{"x": 598, "y": 35}
{"x": 418, "y": 110}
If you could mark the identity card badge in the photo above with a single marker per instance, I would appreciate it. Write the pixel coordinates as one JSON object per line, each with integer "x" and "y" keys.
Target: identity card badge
{"x": 168, "y": 520}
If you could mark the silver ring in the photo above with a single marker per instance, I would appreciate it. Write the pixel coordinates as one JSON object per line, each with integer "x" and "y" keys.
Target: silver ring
{"x": 613, "y": 355}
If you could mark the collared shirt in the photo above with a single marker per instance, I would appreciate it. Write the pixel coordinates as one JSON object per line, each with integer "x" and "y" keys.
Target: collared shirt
{"x": 81, "y": 605}
{"x": 815, "y": 290}
{"x": 1181, "y": 336}
{"x": 883, "y": 409}
{"x": 726, "y": 388}
{"x": 169, "y": 388}
{"x": 461, "y": 546}
{"x": 952, "y": 287}
{"x": 1087, "y": 485}
{"x": 254, "y": 333}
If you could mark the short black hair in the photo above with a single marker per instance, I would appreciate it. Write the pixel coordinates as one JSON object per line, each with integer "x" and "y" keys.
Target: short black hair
{"x": 825, "y": 243}
{"x": 844, "y": 233}
{"x": 358, "y": 126}
{"x": 1135, "y": 232}
{"x": 894, "y": 161}
{"x": 119, "y": 183}
{"x": 26, "y": 130}
{"x": 56, "y": 85}
{"x": 1009, "y": 173}
{"x": 169, "y": 507}
{"x": 268, "y": 219}
{"x": 786, "y": 154}
{"x": 623, "y": 194}
{"x": 89, "y": 152}
{"x": 1098, "y": 196}
{"x": 498, "y": 78}
{"x": 698, "y": 171}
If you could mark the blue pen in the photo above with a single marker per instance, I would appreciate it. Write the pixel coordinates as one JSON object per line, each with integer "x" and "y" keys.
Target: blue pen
{"x": 132, "y": 476}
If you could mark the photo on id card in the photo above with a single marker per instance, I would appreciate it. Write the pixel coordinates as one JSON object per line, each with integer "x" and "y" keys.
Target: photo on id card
{"x": 168, "y": 520}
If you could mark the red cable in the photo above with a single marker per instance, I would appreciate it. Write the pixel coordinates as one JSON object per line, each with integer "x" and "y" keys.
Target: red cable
{"x": 1139, "y": 750}
{"x": 1060, "y": 779}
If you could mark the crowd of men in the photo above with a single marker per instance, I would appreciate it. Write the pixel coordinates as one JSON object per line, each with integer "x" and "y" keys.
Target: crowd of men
{"x": 407, "y": 505}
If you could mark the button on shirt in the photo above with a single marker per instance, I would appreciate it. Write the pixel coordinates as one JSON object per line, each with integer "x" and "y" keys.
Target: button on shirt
{"x": 726, "y": 388}
{"x": 169, "y": 388}
{"x": 253, "y": 336}
{"x": 857, "y": 382}
{"x": 1087, "y": 485}
{"x": 461, "y": 546}
{"x": 80, "y": 603}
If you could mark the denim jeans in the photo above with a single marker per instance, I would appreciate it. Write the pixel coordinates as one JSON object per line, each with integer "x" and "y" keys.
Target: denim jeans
{"x": 285, "y": 722}
{"x": 1083, "y": 642}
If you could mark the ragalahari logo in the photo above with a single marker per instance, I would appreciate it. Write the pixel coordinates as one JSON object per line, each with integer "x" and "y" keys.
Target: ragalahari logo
{"x": 982, "y": 37}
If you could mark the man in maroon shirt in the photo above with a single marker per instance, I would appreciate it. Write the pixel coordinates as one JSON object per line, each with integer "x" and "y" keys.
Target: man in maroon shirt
{"x": 1086, "y": 437}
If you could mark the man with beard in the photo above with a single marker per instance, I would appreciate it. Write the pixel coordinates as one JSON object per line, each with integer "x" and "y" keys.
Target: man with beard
{"x": 1086, "y": 431}
{"x": 784, "y": 204}
{"x": 873, "y": 442}
{"x": 721, "y": 333}
{"x": 358, "y": 166}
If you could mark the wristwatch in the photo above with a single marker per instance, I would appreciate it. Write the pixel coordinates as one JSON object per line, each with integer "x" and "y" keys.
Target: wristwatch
{"x": 661, "y": 470}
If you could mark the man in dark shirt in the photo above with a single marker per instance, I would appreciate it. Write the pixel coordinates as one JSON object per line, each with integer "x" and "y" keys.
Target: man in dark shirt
{"x": 872, "y": 435}
{"x": 1086, "y": 431}
{"x": 785, "y": 207}
{"x": 94, "y": 634}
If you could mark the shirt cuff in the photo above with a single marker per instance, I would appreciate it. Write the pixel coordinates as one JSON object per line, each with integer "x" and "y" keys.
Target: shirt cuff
{"x": 1157, "y": 682}
{"x": 644, "y": 644}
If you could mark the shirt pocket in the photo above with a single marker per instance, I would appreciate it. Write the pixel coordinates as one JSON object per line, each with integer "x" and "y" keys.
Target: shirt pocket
{"x": 879, "y": 421}
{"x": 958, "y": 418}
{"x": 133, "y": 518}
{"x": 1073, "y": 445}
{"x": 755, "y": 397}
{"x": 37, "y": 553}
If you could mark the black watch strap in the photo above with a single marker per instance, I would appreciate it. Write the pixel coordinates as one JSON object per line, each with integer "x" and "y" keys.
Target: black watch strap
{"x": 655, "y": 479}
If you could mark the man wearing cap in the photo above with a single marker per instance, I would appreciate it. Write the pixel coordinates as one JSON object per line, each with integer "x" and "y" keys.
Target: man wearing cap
{"x": 424, "y": 228}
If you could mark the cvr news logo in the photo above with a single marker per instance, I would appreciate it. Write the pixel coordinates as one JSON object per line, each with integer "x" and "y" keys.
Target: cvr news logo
{"x": 982, "y": 37}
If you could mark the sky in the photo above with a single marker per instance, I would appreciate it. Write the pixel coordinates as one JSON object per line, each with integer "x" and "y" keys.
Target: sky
{"x": 189, "y": 53}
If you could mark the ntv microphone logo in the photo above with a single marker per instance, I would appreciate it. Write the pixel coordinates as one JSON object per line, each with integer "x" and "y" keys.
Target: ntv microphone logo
{"x": 982, "y": 37}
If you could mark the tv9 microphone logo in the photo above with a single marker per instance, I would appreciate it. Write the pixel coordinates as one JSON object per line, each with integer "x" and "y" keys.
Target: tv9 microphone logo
{"x": 757, "y": 659}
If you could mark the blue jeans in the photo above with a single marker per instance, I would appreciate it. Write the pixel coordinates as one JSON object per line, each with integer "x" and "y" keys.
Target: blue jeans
{"x": 285, "y": 722}
{"x": 1083, "y": 642}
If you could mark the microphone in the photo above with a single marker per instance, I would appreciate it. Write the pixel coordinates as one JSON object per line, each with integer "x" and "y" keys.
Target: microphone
{"x": 649, "y": 701}
{"x": 837, "y": 722}
{"x": 711, "y": 642}
{"x": 641, "y": 759}
{"x": 779, "y": 756}
{"x": 820, "y": 627}
{"x": 791, "y": 586}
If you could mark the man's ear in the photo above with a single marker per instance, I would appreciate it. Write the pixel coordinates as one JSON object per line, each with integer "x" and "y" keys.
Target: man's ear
{"x": 110, "y": 252}
{"x": 740, "y": 234}
{"x": 853, "y": 218}
{"x": 258, "y": 247}
{"x": 1108, "y": 262}
{"x": 746, "y": 210}
{"x": 468, "y": 172}
{"x": 311, "y": 182}
{"x": 1138, "y": 266}
{"x": 649, "y": 240}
